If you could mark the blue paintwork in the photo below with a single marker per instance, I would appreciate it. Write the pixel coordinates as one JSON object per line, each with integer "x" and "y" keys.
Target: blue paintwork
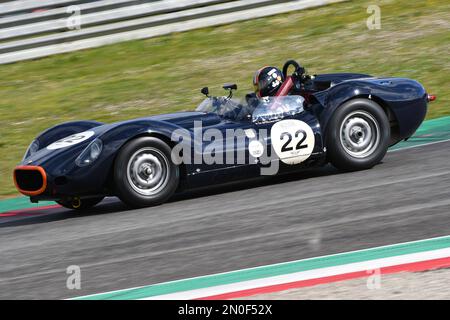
{"x": 405, "y": 98}
{"x": 64, "y": 130}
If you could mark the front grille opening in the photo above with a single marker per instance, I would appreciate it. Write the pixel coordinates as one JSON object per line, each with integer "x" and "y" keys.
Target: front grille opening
{"x": 29, "y": 180}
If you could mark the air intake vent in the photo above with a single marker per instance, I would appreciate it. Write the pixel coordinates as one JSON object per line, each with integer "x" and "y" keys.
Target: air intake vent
{"x": 30, "y": 180}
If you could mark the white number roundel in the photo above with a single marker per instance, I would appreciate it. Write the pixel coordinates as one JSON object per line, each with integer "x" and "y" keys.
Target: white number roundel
{"x": 255, "y": 148}
{"x": 293, "y": 140}
{"x": 71, "y": 140}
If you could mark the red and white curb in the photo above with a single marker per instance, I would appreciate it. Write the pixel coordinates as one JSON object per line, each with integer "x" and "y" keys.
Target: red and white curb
{"x": 405, "y": 263}
{"x": 410, "y": 256}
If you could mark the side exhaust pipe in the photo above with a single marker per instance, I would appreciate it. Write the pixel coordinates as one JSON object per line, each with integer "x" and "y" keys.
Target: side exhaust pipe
{"x": 76, "y": 203}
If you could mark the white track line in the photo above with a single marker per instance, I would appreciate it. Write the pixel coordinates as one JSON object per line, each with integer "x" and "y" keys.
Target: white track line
{"x": 419, "y": 145}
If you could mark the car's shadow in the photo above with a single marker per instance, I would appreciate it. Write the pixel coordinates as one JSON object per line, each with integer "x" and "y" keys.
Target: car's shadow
{"x": 114, "y": 205}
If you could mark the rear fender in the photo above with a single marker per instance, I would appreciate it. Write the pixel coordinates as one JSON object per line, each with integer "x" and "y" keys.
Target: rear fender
{"x": 404, "y": 101}
{"x": 334, "y": 97}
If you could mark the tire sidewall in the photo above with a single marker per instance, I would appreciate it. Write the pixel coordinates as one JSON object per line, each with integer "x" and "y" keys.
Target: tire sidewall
{"x": 123, "y": 188}
{"x": 336, "y": 152}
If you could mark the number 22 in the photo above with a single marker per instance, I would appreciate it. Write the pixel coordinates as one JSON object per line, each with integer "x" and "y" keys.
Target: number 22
{"x": 299, "y": 145}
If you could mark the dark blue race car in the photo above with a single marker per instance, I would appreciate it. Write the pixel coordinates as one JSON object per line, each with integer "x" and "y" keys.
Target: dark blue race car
{"x": 347, "y": 119}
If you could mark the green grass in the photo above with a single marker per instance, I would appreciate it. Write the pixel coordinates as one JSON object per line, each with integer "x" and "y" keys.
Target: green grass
{"x": 164, "y": 74}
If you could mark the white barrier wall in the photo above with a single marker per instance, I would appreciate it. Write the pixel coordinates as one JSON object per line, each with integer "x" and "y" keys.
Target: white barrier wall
{"x": 31, "y": 29}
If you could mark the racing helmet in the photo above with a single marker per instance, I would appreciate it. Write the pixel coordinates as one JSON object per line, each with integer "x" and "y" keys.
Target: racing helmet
{"x": 267, "y": 81}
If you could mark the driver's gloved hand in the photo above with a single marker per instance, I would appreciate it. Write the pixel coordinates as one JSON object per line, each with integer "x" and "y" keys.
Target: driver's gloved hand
{"x": 300, "y": 71}
{"x": 252, "y": 100}
{"x": 250, "y": 96}
{"x": 233, "y": 114}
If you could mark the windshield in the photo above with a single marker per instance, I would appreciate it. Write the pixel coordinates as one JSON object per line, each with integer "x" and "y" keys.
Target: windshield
{"x": 218, "y": 105}
{"x": 224, "y": 107}
{"x": 259, "y": 109}
{"x": 272, "y": 108}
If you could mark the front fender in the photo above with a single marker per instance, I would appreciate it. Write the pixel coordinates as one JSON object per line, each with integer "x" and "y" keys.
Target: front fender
{"x": 120, "y": 134}
{"x": 63, "y": 130}
{"x": 95, "y": 178}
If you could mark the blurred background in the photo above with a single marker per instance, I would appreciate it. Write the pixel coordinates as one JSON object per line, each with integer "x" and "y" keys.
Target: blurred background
{"x": 107, "y": 60}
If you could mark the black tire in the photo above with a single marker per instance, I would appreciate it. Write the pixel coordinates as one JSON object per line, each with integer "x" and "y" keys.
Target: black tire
{"x": 355, "y": 120}
{"x": 80, "y": 204}
{"x": 140, "y": 164}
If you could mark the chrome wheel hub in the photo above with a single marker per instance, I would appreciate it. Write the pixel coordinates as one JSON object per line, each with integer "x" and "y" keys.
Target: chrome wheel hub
{"x": 147, "y": 171}
{"x": 359, "y": 134}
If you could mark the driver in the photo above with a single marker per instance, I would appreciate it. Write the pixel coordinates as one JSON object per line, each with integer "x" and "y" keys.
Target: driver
{"x": 267, "y": 81}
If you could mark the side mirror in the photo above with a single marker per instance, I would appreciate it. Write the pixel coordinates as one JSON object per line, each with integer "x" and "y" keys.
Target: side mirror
{"x": 230, "y": 86}
{"x": 205, "y": 91}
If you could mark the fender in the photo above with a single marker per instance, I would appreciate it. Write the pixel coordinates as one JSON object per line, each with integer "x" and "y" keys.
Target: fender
{"x": 64, "y": 130}
{"x": 78, "y": 180}
{"x": 334, "y": 97}
{"x": 120, "y": 134}
{"x": 398, "y": 95}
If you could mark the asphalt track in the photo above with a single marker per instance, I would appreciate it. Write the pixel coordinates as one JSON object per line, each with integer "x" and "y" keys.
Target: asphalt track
{"x": 230, "y": 227}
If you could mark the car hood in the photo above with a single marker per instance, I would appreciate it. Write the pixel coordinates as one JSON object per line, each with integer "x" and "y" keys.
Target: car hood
{"x": 184, "y": 120}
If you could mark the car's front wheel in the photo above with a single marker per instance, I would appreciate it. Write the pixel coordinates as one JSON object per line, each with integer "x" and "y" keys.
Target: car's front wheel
{"x": 358, "y": 135}
{"x": 144, "y": 174}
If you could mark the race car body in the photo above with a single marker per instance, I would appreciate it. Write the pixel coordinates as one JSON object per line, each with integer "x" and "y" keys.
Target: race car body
{"x": 346, "y": 119}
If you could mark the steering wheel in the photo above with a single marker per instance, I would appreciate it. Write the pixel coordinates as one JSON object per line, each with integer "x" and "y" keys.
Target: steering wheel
{"x": 299, "y": 70}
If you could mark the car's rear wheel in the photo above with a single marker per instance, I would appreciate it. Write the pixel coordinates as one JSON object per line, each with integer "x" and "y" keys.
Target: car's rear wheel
{"x": 144, "y": 174}
{"x": 358, "y": 135}
{"x": 80, "y": 204}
